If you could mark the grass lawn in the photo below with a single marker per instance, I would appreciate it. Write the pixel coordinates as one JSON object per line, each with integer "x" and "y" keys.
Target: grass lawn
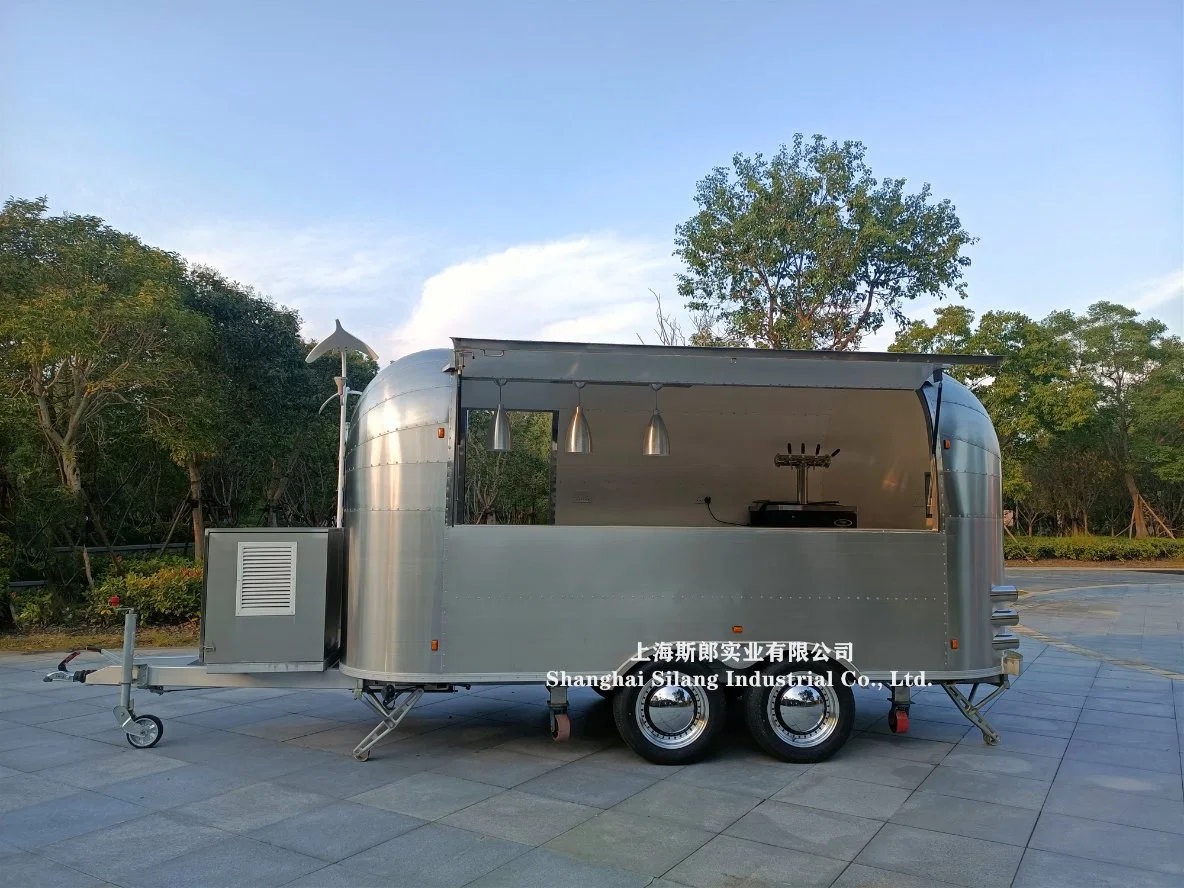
{"x": 64, "y": 640}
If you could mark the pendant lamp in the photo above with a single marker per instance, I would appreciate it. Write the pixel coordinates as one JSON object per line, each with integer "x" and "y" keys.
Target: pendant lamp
{"x": 499, "y": 430}
{"x": 579, "y": 436}
{"x": 657, "y": 439}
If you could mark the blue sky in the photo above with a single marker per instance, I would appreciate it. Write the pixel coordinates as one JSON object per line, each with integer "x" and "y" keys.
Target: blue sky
{"x": 517, "y": 169}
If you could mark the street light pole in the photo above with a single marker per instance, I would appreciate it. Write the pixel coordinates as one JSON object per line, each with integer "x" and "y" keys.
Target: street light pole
{"x": 341, "y": 341}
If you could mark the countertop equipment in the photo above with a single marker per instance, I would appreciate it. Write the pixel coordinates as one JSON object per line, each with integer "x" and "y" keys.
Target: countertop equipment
{"x": 802, "y": 512}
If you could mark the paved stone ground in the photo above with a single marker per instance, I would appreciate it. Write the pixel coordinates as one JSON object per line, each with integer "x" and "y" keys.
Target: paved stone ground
{"x": 255, "y": 788}
{"x": 1123, "y": 617}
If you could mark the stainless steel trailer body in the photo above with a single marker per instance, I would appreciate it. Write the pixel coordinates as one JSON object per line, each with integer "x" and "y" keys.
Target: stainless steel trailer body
{"x": 641, "y": 549}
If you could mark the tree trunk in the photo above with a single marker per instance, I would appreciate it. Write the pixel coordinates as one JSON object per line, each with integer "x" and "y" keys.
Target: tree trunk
{"x": 1139, "y": 518}
{"x": 193, "y": 467}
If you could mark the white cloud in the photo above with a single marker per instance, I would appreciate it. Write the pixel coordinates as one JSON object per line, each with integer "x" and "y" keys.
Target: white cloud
{"x": 364, "y": 275}
{"x": 591, "y": 288}
{"x": 1161, "y": 297}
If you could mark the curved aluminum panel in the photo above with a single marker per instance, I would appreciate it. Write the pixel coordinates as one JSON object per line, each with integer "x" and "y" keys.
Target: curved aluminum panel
{"x": 397, "y": 472}
{"x": 972, "y": 519}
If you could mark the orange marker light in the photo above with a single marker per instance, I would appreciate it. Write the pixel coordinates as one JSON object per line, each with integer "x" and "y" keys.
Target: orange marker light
{"x": 945, "y": 444}
{"x": 435, "y": 644}
{"x": 440, "y": 432}
{"x": 953, "y": 644}
{"x": 737, "y": 629}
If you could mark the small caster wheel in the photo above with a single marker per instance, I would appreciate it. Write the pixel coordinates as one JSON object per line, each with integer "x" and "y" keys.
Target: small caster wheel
{"x": 560, "y": 727}
{"x": 362, "y": 756}
{"x": 898, "y": 721}
{"x": 148, "y": 731}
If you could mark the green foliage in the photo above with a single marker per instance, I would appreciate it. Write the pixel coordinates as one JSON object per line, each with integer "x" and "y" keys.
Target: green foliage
{"x": 39, "y": 608}
{"x": 138, "y": 396}
{"x": 808, "y": 250}
{"x": 1092, "y": 548}
{"x": 1089, "y": 410}
{"x": 514, "y": 487}
{"x": 165, "y": 594}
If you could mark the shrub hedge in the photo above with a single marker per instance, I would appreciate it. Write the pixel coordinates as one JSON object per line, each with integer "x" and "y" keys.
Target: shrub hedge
{"x": 1092, "y": 548}
{"x": 163, "y": 591}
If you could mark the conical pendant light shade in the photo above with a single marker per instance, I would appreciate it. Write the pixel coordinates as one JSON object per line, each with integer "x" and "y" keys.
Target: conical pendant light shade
{"x": 657, "y": 440}
{"x": 499, "y": 429}
{"x": 579, "y": 436}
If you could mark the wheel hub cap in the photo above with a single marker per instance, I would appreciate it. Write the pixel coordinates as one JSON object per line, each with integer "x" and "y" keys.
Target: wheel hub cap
{"x": 672, "y": 715}
{"x": 803, "y": 715}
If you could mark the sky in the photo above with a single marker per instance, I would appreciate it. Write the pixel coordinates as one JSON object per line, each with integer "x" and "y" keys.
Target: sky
{"x": 516, "y": 170}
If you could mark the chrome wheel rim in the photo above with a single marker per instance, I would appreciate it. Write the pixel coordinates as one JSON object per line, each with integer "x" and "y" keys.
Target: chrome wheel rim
{"x": 802, "y": 715}
{"x": 672, "y": 715}
{"x": 146, "y": 732}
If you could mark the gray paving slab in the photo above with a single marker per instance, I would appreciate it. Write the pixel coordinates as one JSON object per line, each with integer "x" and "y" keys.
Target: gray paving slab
{"x": 761, "y": 777}
{"x": 251, "y": 807}
{"x": 825, "y": 833}
{"x": 542, "y": 868}
{"x": 858, "y": 875}
{"x": 843, "y": 796}
{"x": 336, "y": 831}
{"x": 499, "y": 767}
{"x": 114, "y": 852}
{"x": 870, "y": 767}
{"x": 25, "y": 870}
{"x": 1129, "y": 809}
{"x": 631, "y": 842}
{"x": 1112, "y": 843}
{"x": 434, "y": 856}
{"x": 966, "y": 817}
{"x": 727, "y": 860}
{"x": 1044, "y": 869}
{"x": 521, "y": 817}
{"x": 975, "y": 863}
{"x": 174, "y": 787}
{"x": 64, "y": 817}
{"x": 588, "y": 783}
{"x": 984, "y": 787}
{"x": 345, "y": 777}
{"x": 1118, "y": 778}
{"x": 428, "y": 796}
{"x": 21, "y": 790}
{"x": 237, "y": 862}
{"x": 92, "y": 773}
{"x": 690, "y": 805}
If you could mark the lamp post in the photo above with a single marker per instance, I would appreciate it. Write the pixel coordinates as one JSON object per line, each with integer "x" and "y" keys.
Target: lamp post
{"x": 341, "y": 341}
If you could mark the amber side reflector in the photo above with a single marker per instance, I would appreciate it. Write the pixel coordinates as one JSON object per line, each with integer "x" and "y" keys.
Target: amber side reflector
{"x": 945, "y": 444}
{"x": 436, "y": 644}
{"x": 737, "y": 629}
{"x": 953, "y": 644}
{"x": 440, "y": 432}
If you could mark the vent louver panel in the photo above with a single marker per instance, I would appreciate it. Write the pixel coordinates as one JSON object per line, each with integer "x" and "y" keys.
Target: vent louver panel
{"x": 266, "y": 579}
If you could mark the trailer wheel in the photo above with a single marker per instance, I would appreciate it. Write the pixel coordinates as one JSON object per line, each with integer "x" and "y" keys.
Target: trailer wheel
{"x": 805, "y": 718}
{"x": 148, "y": 731}
{"x": 674, "y": 721}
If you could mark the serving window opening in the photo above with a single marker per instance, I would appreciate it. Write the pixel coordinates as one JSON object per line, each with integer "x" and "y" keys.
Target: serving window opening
{"x": 737, "y": 456}
{"x": 515, "y": 486}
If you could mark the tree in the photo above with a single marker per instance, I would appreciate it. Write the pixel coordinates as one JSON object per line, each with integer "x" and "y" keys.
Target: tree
{"x": 1137, "y": 374}
{"x": 808, "y": 250}
{"x": 1032, "y": 397}
{"x": 512, "y": 487}
{"x": 88, "y": 317}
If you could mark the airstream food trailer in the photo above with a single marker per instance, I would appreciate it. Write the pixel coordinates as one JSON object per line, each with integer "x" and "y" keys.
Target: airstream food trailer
{"x": 795, "y": 521}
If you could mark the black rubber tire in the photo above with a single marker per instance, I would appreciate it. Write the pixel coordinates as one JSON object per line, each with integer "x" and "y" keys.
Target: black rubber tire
{"x": 159, "y": 732}
{"x": 756, "y": 700}
{"x": 624, "y": 705}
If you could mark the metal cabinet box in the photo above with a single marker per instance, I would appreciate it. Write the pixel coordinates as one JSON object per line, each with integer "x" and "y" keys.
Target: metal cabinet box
{"x": 272, "y": 599}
